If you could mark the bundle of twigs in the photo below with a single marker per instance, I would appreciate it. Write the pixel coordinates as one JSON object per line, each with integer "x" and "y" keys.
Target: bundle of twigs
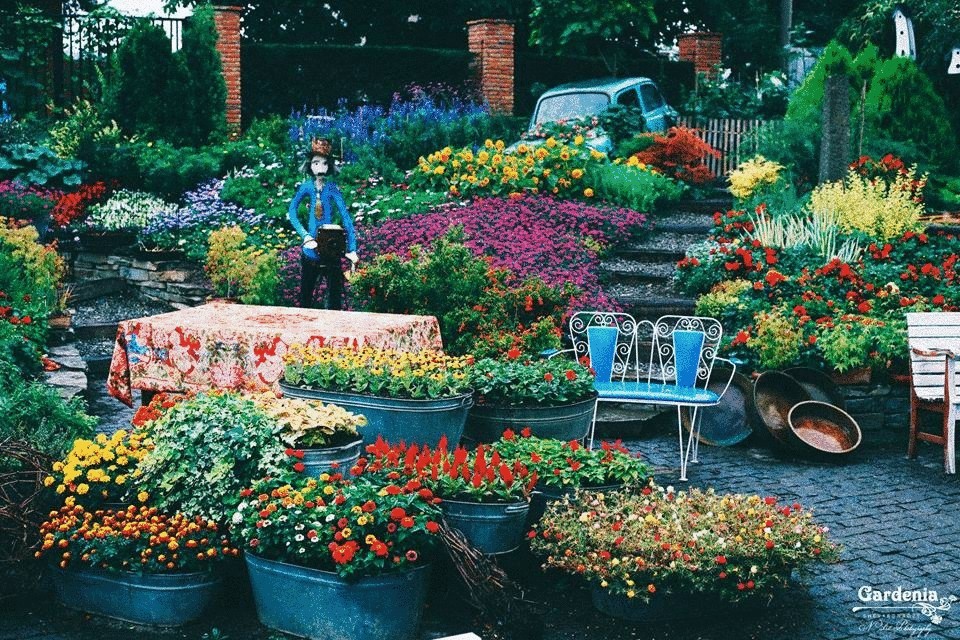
{"x": 489, "y": 589}
{"x": 22, "y": 469}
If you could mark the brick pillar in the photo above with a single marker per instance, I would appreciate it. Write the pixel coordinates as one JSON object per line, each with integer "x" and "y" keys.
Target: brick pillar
{"x": 702, "y": 49}
{"x": 227, "y": 19}
{"x": 491, "y": 41}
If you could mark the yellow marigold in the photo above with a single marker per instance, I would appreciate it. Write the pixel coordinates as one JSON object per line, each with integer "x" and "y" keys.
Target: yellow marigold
{"x": 143, "y": 496}
{"x": 439, "y": 170}
{"x": 577, "y": 173}
{"x": 48, "y": 481}
{"x": 588, "y": 192}
{"x": 578, "y": 140}
{"x": 551, "y": 142}
{"x": 83, "y": 488}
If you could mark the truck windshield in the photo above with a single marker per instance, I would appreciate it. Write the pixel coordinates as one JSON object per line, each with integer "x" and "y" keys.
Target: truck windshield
{"x": 571, "y": 105}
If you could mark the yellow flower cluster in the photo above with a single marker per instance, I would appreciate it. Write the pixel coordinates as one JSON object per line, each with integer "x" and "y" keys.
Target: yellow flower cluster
{"x": 101, "y": 467}
{"x": 424, "y": 374}
{"x": 752, "y": 175}
{"x": 882, "y": 210}
{"x": 552, "y": 167}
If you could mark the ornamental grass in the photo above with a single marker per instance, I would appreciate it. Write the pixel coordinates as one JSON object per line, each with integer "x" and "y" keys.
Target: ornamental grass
{"x": 425, "y": 375}
{"x": 645, "y": 545}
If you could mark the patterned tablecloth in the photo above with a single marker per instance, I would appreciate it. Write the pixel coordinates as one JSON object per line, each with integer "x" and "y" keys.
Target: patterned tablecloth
{"x": 232, "y": 346}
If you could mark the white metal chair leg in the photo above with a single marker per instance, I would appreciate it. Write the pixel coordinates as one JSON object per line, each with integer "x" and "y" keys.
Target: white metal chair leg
{"x": 695, "y": 415}
{"x": 683, "y": 454}
{"x": 593, "y": 424}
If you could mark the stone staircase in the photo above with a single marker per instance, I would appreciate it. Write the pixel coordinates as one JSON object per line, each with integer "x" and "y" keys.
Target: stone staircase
{"x": 640, "y": 273}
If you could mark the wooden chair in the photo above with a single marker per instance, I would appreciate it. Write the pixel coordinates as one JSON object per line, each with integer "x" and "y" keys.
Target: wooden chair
{"x": 934, "y": 385}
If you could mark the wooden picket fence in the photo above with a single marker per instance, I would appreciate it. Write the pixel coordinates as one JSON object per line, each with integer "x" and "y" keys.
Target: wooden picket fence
{"x": 726, "y": 135}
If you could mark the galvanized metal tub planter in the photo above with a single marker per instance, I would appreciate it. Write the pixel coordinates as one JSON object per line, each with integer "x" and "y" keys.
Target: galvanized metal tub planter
{"x": 396, "y": 419}
{"x": 327, "y": 459}
{"x": 486, "y": 423}
{"x": 669, "y": 607}
{"x": 323, "y": 606}
{"x": 151, "y": 599}
{"x": 492, "y": 527}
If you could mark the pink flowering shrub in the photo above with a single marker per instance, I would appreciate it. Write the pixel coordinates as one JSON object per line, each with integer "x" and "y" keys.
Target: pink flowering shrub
{"x": 559, "y": 241}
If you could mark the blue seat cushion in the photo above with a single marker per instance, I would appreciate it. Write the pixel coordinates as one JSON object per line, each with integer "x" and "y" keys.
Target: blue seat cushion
{"x": 654, "y": 392}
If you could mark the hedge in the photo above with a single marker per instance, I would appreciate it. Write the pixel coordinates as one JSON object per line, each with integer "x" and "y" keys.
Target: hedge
{"x": 280, "y": 77}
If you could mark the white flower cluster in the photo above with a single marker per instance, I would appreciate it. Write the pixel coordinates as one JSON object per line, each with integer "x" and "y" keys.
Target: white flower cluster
{"x": 128, "y": 210}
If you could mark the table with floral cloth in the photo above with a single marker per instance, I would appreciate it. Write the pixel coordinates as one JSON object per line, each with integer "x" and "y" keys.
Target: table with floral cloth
{"x": 232, "y": 346}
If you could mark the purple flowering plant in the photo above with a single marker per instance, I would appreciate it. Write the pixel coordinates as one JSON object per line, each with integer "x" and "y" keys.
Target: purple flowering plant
{"x": 203, "y": 211}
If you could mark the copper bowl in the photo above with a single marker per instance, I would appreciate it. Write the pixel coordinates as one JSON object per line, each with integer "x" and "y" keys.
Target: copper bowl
{"x": 774, "y": 395}
{"x": 817, "y": 383}
{"x": 824, "y": 427}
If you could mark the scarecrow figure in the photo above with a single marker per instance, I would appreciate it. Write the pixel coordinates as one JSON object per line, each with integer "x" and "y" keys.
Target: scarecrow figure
{"x": 324, "y": 243}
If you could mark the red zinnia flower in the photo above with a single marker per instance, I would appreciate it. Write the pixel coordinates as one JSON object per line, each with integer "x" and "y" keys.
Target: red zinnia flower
{"x": 299, "y": 467}
{"x": 571, "y": 375}
{"x": 397, "y": 513}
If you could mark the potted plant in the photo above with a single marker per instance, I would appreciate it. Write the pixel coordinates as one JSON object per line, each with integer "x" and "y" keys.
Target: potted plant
{"x": 410, "y": 397}
{"x": 555, "y": 398}
{"x": 205, "y": 449}
{"x": 323, "y": 437}
{"x": 330, "y": 559}
{"x": 482, "y": 494}
{"x": 135, "y": 564}
{"x": 657, "y": 554}
{"x": 99, "y": 472}
{"x": 564, "y": 467}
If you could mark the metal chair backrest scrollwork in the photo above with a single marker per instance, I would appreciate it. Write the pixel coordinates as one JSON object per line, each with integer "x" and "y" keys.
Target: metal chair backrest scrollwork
{"x": 624, "y": 358}
{"x": 679, "y": 334}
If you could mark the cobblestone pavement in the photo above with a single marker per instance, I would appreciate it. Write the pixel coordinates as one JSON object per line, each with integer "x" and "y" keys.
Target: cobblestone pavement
{"x": 898, "y": 521}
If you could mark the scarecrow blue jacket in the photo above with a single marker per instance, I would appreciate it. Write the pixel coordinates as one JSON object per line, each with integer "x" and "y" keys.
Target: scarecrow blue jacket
{"x": 329, "y": 196}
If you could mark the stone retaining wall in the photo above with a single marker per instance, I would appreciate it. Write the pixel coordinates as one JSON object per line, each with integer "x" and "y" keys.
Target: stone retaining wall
{"x": 178, "y": 282}
{"x": 882, "y": 410}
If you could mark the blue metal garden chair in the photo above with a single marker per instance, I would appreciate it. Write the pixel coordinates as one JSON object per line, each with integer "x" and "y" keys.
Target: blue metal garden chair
{"x": 682, "y": 353}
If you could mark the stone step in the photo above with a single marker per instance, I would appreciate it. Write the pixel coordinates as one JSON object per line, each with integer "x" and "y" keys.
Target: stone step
{"x": 715, "y": 201}
{"x": 686, "y": 225}
{"x": 650, "y": 252}
{"x": 96, "y": 330}
{"x": 683, "y": 218}
{"x": 676, "y": 243}
{"x": 624, "y": 270}
{"x": 650, "y": 300}
{"x": 93, "y": 289}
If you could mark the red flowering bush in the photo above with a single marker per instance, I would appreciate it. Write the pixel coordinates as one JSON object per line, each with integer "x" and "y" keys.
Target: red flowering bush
{"x": 480, "y": 475}
{"x": 355, "y": 529}
{"x": 138, "y": 539}
{"x": 71, "y": 207}
{"x": 679, "y": 154}
{"x": 841, "y": 314}
{"x": 570, "y": 464}
{"x": 639, "y": 545}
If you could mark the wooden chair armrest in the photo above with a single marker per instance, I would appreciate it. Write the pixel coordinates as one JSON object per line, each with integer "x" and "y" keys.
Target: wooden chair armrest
{"x": 936, "y": 352}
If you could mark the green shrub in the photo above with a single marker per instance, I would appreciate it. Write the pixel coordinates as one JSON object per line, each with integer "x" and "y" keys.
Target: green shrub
{"x": 806, "y": 102}
{"x": 206, "y": 449}
{"x": 904, "y": 107}
{"x": 145, "y": 93}
{"x": 36, "y": 414}
{"x": 632, "y": 187}
{"x": 206, "y": 90}
{"x": 239, "y": 270}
